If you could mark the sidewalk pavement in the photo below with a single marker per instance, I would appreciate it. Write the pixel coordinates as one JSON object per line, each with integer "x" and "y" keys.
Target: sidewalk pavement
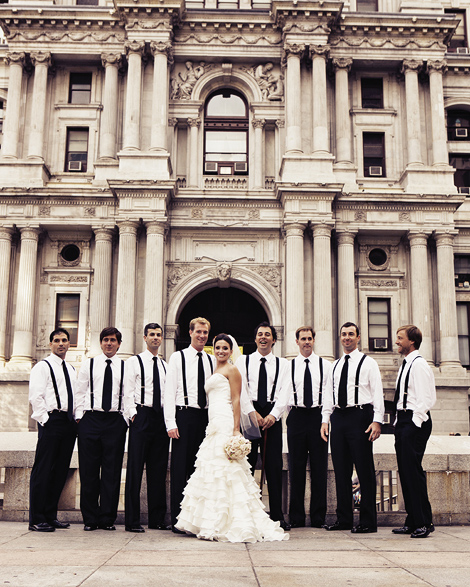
{"x": 312, "y": 557}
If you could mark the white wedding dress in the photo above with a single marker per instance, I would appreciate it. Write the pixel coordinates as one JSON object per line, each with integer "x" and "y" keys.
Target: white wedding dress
{"x": 222, "y": 500}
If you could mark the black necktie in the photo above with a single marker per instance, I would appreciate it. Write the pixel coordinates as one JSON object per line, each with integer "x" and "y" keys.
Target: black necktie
{"x": 201, "y": 380}
{"x": 343, "y": 384}
{"x": 262, "y": 384}
{"x": 308, "y": 399}
{"x": 107, "y": 387}
{"x": 397, "y": 393}
{"x": 157, "y": 400}
{"x": 69, "y": 392}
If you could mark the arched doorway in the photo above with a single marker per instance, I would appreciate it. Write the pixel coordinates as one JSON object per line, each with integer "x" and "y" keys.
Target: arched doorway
{"x": 229, "y": 310}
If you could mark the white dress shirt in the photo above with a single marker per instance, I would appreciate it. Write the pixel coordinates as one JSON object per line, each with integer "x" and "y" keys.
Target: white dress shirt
{"x": 174, "y": 390}
{"x": 370, "y": 386}
{"x": 133, "y": 385}
{"x": 421, "y": 387}
{"x": 83, "y": 396}
{"x": 299, "y": 373}
{"x": 41, "y": 391}
{"x": 250, "y": 386}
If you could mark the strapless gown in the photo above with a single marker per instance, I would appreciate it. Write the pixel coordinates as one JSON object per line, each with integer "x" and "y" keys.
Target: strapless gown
{"x": 222, "y": 500}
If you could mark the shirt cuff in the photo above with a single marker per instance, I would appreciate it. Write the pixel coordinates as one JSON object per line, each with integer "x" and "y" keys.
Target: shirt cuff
{"x": 417, "y": 420}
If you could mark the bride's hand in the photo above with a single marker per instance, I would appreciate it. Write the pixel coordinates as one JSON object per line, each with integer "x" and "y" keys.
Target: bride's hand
{"x": 236, "y": 432}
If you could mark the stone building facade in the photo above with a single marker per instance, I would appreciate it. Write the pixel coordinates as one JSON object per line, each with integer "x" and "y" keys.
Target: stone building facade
{"x": 301, "y": 160}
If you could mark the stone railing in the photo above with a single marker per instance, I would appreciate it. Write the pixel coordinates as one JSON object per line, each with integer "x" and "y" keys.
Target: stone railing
{"x": 447, "y": 463}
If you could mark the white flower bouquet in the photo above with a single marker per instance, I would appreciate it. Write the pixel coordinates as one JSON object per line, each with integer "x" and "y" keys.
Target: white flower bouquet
{"x": 237, "y": 448}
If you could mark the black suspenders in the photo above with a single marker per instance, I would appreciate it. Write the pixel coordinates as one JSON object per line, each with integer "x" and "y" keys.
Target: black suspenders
{"x": 356, "y": 384}
{"x": 54, "y": 385}
{"x": 320, "y": 390}
{"x": 273, "y": 391}
{"x": 92, "y": 395}
{"x": 183, "y": 370}
{"x": 142, "y": 379}
{"x": 407, "y": 380}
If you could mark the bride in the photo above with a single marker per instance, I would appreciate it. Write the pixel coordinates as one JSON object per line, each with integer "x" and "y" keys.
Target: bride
{"x": 222, "y": 500}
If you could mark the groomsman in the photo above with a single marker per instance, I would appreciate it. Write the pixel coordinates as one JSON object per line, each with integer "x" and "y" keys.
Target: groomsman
{"x": 354, "y": 400}
{"x": 185, "y": 409}
{"x": 101, "y": 433}
{"x": 415, "y": 395}
{"x": 51, "y": 394}
{"x": 266, "y": 379}
{"x": 309, "y": 374}
{"x": 149, "y": 443}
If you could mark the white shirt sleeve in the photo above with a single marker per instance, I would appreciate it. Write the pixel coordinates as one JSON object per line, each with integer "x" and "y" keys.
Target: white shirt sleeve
{"x": 283, "y": 390}
{"x": 131, "y": 381}
{"x": 37, "y": 392}
{"x": 424, "y": 390}
{"x": 83, "y": 384}
{"x": 171, "y": 388}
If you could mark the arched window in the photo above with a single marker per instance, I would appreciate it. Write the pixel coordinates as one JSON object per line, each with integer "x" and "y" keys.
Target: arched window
{"x": 458, "y": 125}
{"x": 226, "y": 134}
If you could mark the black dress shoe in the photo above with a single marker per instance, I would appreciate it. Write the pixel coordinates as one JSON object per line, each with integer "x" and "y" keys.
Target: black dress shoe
{"x": 431, "y": 527}
{"x": 90, "y": 528}
{"x": 60, "y": 525}
{"x": 403, "y": 530}
{"x": 104, "y": 527}
{"x": 177, "y": 530}
{"x": 361, "y": 529}
{"x": 41, "y": 527}
{"x": 160, "y": 527}
{"x": 285, "y": 525}
{"x": 136, "y": 529}
{"x": 297, "y": 525}
{"x": 422, "y": 532}
{"x": 337, "y": 526}
{"x": 317, "y": 524}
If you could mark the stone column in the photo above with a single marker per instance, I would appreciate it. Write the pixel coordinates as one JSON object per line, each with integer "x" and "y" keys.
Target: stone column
{"x": 294, "y": 285}
{"x": 420, "y": 288}
{"x": 346, "y": 278}
{"x": 134, "y": 50}
{"x": 101, "y": 290}
{"x": 258, "y": 125}
{"x": 319, "y": 55}
{"x": 194, "y": 124}
{"x": 293, "y": 97}
{"x": 162, "y": 53}
{"x": 41, "y": 62}
{"x": 109, "y": 117}
{"x": 5, "y": 259}
{"x": 126, "y": 281}
{"x": 24, "y": 315}
{"x": 447, "y": 303}
{"x": 411, "y": 68}
{"x": 154, "y": 264}
{"x": 436, "y": 70}
{"x": 342, "y": 67}
{"x": 322, "y": 299}
{"x": 11, "y": 124}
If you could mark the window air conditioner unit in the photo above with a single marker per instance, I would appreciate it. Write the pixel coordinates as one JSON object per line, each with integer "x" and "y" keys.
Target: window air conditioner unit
{"x": 375, "y": 170}
{"x": 464, "y": 191}
{"x": 240, "y": 167}
{"x": 75, "y": 166}
{"x": 380, "y": 344}
{"x": 461, "y": 132}
{"x": 210, "y": 167}
{"x": 462, "y": 49}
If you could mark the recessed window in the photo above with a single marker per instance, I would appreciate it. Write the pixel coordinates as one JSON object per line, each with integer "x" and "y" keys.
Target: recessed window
{"x": 458, "y": 125}
{"x": 70, "y": 253}
{"x": 87, "y": 2}
{"x": 461, "y": 163}
{"x": 77, "y": 149}
{"x": 462, "y": 271}
{"x": 67, "y": 311}
{"x": 373, "y": 144}
{"x": 80, "y": 88}
{"x": 379, "y": 324}
{"x": 463, "y": 327}
{"x": 367, "y": 5}
{"x": 378, "y": 257}
{"x": 458, "y": 41}
{"x": 2, "y": 106}
{"x": 372, "y": 92}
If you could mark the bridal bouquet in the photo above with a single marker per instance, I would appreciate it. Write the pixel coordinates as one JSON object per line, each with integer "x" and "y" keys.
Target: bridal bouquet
{"x": 237, "y": 448}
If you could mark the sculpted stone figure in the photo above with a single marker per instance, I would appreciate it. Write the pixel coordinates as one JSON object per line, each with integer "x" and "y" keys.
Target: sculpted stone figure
{"x": 182, "y": 89}
{"x": 271, "y": 84}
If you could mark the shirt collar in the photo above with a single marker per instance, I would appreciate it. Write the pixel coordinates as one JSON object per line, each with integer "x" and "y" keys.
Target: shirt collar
{"x": 353, "y": 354}
{"x": 258, "y": 356}
{"x": 55, "y": 359}
{"x": 192, "y": 351}
{"x": 148, "y": 355}
{"x": 411, "y": 356}
{"x": 311, "y": 358}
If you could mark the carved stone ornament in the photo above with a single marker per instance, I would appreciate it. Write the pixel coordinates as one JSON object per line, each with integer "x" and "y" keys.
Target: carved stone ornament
{"x": 411, "y": 65}
{"x": 439, "y": 66}
{"x": 270, "y": 83}
{"x": 40, "y": 57}
{"x": 134, "y": 47}
{"x": 258, "y": 123}
{"x": 90, "y": 211}
{"x": 111, "y": 59}
{"x": 197, "y": 213}
{"x": 176, "y": 274}
{"x": 68, "y": 279}
{"x": 404, "y": 217}
{"x": 224, "y": 271}
{"x": 75, "y": 37}
{"x": 360, "y": 216}
{"x": 181, "y": 87}
{"x": 14, "y": 57}
{"x": 44, "y": 210}
{"x": 253, "y": 214}
{"x": 342, "y": 63}
{"x": 378, "y": 283}
{"x": 271, "y": 274}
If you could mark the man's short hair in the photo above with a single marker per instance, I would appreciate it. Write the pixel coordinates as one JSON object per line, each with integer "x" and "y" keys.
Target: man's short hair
{"x": 151, "y": 326}
{"x": 348, "y": 325}
{"x": 266, "y": 325}
{"x": 58, "y": 331}
{"x": 194, "y": 321}
{"x": 299, "y": 330}
{"x": 109, "y": 331}
{"x": 413, "y": 333}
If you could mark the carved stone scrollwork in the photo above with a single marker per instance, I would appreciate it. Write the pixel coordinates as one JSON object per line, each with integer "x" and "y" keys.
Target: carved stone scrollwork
{"x": 319, "y": 51}
{"x": 134, "y": 47}
{"x": 271, "y": 274}
{"x": 40, "y": 57}
{"x": 194, "y": 122}
{"x": 258, "y": 123}
{"x": 111, "y": 59}
{"x": 280, "y": 123}
{"x": 404, "y": 217}
{"x": 224, "y": 273}
{"x": 176, "y": 274}
{"x": 15, "y": 57}
{"x": 343, "y": 63}
{"x": 440, "y": 66}
{"x": 411, "y": 65}
{"x": 360, "y": 216}
{"x": 294, "y": 49}
{"x": 379, "y": 283}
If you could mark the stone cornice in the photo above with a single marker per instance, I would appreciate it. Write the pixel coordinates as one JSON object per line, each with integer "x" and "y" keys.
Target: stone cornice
{"x": 192, "y": 203}
{"x": 392, "y": 207}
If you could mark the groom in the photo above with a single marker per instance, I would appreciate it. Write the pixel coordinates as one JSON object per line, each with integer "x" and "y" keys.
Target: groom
{"x": 185, "y": 409}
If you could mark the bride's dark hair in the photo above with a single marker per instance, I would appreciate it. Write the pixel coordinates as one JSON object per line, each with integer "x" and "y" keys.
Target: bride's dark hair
{"x": 225, "y": 337}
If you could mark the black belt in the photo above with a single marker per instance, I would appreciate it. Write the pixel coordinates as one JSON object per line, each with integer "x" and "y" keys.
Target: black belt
{"x": 358, "y": 407}
{"x": 190, "y": 408}
{"x": 59, "y": 411}
{"x": 304, "y": 408}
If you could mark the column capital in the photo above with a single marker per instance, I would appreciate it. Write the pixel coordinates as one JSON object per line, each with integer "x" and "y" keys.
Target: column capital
{"x": 162, "y": 48}
{"x": 194, "y": 122}
{"x": 437, "y": 66}
{"x": 319, "y": 51}
{"x": 41, "y": 57}
{"x": 137, "y": 47}
{"x": 445, "y": 239}
{"x": 258, "y": 123}
{"x": 30, "y": 233}
{"x": 15, "y": 57}
{"x": 342, "y": 63}
{"x": 111, "y": 59}
{"x": 6, "y": 233}
{"x": 172, "y": 121}
{"x": 171, "y": 330}
{"x": 294, "y": 49}
{"x": 411, "y": 65}
{"x": 103, "y": 233}
{"x": 345, "y": 237}
{"x": 321, "y": 230}
{"x": 418, "y": 239}
{"x": 280, "y": 123}
{"x": 294, "y": 229}
{"x": 128, "y": 227}
{"x": 155, "y": 227}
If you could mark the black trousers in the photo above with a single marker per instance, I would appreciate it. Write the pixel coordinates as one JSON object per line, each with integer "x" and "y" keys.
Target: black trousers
{"x": 192, "y": 424}
{"x": 273, "y": 464}
{"x": 101, "y": 439}
{"x": 305, "y": 443}
{"x": 148, "y": 445}
{"x": 410, "y": 444}
{"x": 350, "y": 445}
{"x": 54, "y": 448}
